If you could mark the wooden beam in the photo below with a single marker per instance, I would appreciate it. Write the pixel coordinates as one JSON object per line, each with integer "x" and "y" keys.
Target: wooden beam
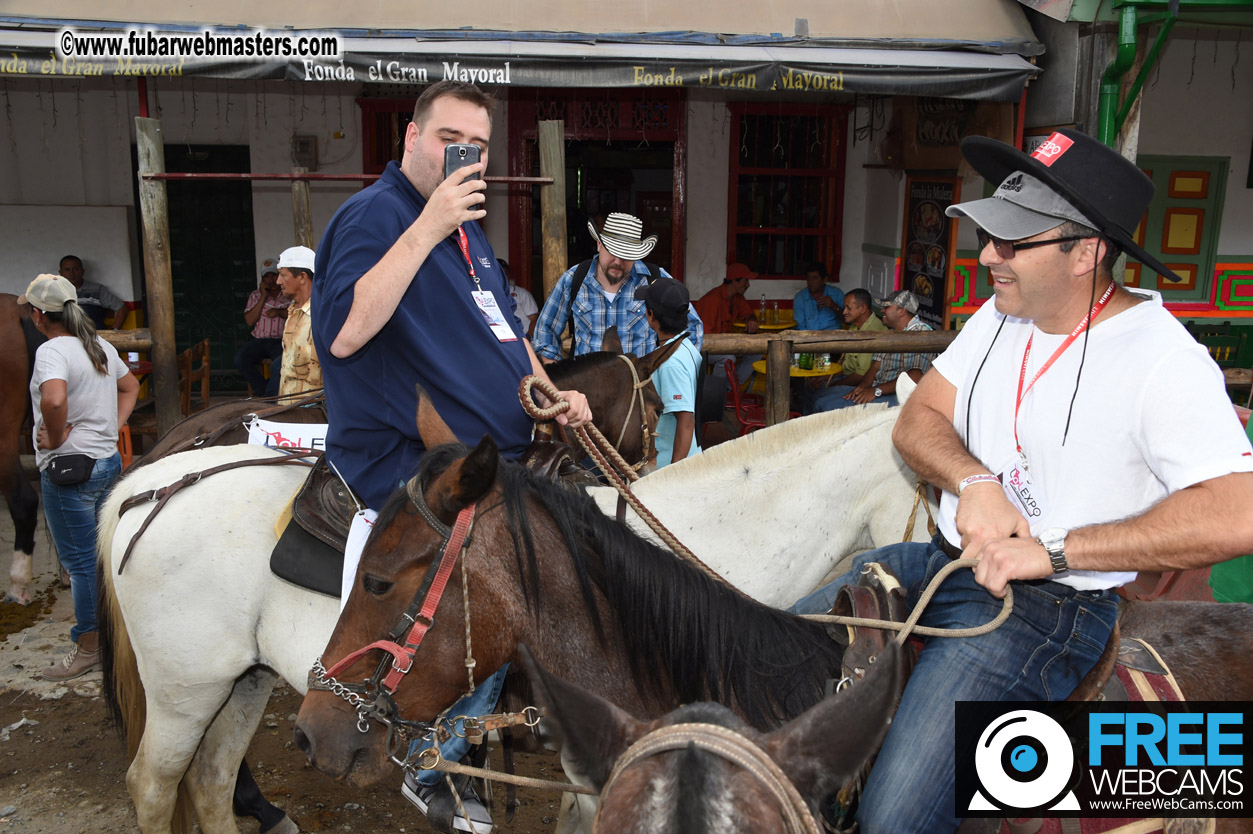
{"x": 302, "y": 209}
{"x": 153, "y": 210}
{"x": 1238, "y": 377}
{"x": 778, "y": 381}
{"x": 552, "y": 201}
{"x": 832, "y": 341}
{"x": 126, "y": 341}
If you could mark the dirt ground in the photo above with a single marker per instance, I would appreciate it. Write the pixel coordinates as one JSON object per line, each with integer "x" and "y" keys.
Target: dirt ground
{"x": 63, "y": 765}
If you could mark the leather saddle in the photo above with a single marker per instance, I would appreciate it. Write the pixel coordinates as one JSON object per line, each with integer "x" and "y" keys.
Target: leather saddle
{"x": 310, "y": 550}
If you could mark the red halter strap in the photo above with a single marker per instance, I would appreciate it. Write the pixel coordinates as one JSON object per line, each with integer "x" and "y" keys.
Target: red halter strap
{"x": 402, "y": 655}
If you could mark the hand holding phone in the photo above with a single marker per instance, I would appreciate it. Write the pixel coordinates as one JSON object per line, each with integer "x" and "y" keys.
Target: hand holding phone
{"x": 458, "y": 156}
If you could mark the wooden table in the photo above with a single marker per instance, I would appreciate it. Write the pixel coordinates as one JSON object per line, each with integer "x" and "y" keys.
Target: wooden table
{"x": 783, "y": 325}
{"x": 830, "y": 370}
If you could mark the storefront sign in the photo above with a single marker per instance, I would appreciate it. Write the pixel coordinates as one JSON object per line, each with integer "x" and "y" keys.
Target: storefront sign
{"x": 948, "y": 77}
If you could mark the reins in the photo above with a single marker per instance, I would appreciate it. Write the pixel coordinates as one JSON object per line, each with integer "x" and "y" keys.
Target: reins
{"x": 734, "y": 748}
{"x": 637, "y": 386}
{"x": 612, "y": 465}
{"x": 301, "y": 457}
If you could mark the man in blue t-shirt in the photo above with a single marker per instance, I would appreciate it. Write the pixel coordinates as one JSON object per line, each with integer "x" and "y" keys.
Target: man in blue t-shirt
{"x": 820, "y": 306}
{"x": 408, "y": 290}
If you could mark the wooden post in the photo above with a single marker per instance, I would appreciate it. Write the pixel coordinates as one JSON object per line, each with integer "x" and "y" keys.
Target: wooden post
{"x": 552, "y": 201}
{"x": 778, "y": 381}
{"x": 153, "y": 210}
{"x": 302, "y": 209}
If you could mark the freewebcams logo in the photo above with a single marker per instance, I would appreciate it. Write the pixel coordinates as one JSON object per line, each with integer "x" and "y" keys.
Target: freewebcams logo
{"x": 1024, "y": 760}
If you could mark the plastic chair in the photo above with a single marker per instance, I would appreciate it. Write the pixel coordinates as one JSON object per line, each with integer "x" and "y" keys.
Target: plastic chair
{"x": 750, "y": 417}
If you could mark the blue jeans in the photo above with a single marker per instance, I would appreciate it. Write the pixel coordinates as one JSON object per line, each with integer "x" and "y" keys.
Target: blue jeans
{"x": 829, "y": 399}
{"x": 480, "y": 702}
{"x": 1054, "y": 637}
{"x": 248, "y": 361}
{"x": 71, "y": 515}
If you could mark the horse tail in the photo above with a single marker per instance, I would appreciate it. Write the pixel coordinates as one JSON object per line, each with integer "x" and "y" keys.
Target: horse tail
{"x": 123, "y": 689}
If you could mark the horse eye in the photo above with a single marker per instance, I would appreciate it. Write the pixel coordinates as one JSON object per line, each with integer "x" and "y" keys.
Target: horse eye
{"x": 375, "y": 586}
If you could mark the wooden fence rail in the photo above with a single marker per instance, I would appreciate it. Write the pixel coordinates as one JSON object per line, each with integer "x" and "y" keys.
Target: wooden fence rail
{"x": 779, "y": 347}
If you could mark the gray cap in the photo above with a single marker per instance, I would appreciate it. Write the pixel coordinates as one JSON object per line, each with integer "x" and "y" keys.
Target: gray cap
{"x": 904, "y": 299}
{"x": 1022, "y": 206}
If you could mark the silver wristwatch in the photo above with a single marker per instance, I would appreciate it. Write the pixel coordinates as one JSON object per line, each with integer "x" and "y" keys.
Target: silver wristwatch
{"x": 878, "y": 392}
{"x": 1053, "y": 540}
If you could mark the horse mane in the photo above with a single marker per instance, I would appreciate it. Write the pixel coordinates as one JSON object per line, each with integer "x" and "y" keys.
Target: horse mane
{"x": 717, "y": 645}
{"x": 792, "y": 439}
{"x": 563, "y": 368}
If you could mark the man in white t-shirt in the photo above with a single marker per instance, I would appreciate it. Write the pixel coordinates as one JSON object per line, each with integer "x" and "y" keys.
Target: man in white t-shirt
{"x": 1065, "y": 467}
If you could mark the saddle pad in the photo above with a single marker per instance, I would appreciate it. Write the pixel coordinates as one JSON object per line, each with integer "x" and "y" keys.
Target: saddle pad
{"x": 303, "y": 559}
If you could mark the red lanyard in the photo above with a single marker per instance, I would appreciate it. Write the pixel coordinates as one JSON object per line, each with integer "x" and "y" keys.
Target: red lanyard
{"x": 1074, "y": 334}
{"x": 465, "y": 252}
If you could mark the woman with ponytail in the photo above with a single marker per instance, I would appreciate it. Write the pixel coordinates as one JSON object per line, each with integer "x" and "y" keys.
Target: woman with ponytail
{"x": 81, "y": 391}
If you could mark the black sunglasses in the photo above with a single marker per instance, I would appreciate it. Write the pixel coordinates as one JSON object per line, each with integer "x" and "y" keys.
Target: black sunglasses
{"x": 1006, "y": 249}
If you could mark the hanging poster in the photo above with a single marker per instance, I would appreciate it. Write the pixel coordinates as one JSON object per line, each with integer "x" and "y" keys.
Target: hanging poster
{"x": 929, "y": 245}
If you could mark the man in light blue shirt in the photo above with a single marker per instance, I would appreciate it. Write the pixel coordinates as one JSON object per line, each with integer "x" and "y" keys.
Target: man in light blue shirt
{"x": 820, "y": 305}
{"x": 666, "y": 304}
{"x": 606, "y": 295}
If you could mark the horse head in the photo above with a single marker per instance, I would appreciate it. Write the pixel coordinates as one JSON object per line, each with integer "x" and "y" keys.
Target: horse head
{"x": 653, "y": 779}
{"x": 361, "y": 703}
{"x": 625, "y": 404}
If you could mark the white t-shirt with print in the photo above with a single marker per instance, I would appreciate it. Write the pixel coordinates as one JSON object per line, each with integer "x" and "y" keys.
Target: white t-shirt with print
{"x": 1151, "y": 417}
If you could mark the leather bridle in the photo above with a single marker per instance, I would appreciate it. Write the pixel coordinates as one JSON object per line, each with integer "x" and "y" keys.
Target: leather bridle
{"x": 730, "y": 746}
{"x": 373, "y": 697}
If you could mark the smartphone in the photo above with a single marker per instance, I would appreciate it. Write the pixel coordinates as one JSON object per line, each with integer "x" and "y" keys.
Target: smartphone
{"x": 457, "y": 156}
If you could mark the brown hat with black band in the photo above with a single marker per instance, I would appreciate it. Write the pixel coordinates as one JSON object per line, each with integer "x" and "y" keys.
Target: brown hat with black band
{"x": 1097, "y": 187}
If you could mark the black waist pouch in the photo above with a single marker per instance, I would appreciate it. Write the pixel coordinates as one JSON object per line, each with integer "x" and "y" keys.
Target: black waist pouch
{"x": 67, "y": 470}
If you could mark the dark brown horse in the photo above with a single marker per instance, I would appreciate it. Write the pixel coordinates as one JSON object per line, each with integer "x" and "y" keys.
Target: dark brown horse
{"x": 700, "y": 769}
{"x": 619, "y": 616}
{"x": 18, "y": 341}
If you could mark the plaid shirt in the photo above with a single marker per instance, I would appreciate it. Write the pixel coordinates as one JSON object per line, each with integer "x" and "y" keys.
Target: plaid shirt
{"x": 594, "y": 313}
{"x": 892, "y": 365}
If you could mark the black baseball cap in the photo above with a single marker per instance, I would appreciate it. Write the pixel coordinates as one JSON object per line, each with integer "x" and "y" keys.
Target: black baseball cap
{"x": 665, "y": 295}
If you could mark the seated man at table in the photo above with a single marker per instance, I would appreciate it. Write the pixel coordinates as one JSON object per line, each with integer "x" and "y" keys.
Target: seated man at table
{"x": 721, "y": 309}
{"x": 878, "y": 383}
{"x": 858, "y": 315}
{"x": 820, "y": 306}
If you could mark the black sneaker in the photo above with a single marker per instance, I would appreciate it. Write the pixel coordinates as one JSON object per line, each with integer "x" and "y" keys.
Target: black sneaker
{"x": 437, "y": 803}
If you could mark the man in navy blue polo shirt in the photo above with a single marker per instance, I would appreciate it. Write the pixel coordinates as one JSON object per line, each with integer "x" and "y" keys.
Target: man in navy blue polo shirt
{"x": 408, "y": 290}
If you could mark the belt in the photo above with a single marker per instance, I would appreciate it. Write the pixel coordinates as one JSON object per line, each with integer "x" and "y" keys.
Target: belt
{"x": 952, "y": 551}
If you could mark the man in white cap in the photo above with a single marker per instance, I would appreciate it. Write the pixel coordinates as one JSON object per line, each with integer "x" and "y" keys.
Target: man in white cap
{"x": 301, "y": 370}
{"x": 609, "y": 299}
{"x": 878, "y": 383}
{"x": 1064, "y": 470}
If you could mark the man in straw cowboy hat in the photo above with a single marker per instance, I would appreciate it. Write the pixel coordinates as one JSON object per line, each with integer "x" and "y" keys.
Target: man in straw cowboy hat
{"x": 1063, "y": 468}
{"x": 608, "y": 300}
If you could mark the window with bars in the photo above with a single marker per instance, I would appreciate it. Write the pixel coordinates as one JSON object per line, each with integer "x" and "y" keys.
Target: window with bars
{"x": 786, "y": 187}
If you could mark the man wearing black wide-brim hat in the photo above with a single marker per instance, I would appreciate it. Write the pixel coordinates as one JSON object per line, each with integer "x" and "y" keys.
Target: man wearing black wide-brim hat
{"x": 1079, "y": 434}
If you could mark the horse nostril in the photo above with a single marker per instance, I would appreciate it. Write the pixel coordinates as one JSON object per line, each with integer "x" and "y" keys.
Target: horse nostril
{"x": 302, "y": 741}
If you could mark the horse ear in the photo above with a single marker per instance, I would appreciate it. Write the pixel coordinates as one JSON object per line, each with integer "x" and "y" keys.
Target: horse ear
{"x": 827, "y": 744}
{"x": 595, "y": 733}
{"x": 476, "y": 473}
{"x": 611, "y": 341}
{"x": 431, "y": 427}
{"x": 655, "y": 358}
